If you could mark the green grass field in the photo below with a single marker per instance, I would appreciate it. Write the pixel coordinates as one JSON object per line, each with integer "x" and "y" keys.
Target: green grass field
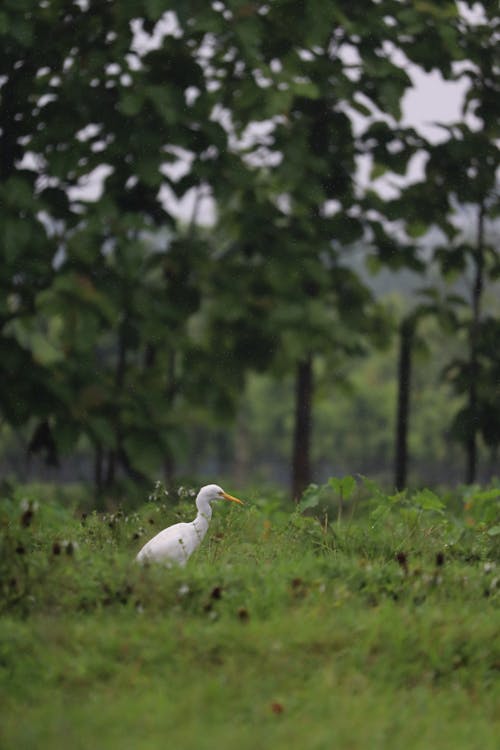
{"x": 283, "y": 631}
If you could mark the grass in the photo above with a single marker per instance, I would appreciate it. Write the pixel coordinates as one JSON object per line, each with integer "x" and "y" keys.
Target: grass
{"x": 283, "y": 631}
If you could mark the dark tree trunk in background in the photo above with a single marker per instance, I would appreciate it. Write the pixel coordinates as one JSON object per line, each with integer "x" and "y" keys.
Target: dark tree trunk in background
{"x": 169, "y": 459}
{"x": 98, "y": 468}
{"x": 169, "y": 469}
{"x": 110, "y": 470}
{"x": 477, "y": 291}
{"x": 406, "y": 334}
{"x": 301, "y": 467}
{"x": 120, "y": 372}
{"x": 223, "y": 452}
{"x": 241, "y": 450}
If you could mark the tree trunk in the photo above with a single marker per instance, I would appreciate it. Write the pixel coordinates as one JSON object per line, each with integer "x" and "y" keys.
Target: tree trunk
{"x": 113, "y": 455}
{"x": 169, "y": 458}
{"x": 477, "y": 291}
{"x": 241, "y": 450}
{"x": 110, "y": 470}
{"x": 224, "y": 453}
{"x": 406, "y": 333}
{"x": 169, "y": 469}
{"x": 301, "y": 468}
{"x": 98, "y": 467}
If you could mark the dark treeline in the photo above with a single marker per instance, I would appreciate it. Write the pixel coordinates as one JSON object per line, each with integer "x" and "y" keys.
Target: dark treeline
{"x": 128, "y": 335}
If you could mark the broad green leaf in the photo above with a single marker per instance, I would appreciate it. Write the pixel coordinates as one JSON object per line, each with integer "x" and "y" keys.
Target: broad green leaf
{"x": 428, "y": 500}
{"x": 307, "y": 89}
{"x": 344, "y": 486}
{"x": 378, "y": 170}
{"x": 417, "y": 228}
{"x": 155, "y": 9}
{"x": 131, "y": 103}
{"x": 310, "y": 498}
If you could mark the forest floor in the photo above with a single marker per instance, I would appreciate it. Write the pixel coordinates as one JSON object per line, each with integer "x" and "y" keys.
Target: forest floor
{"x": 283, "y": 631}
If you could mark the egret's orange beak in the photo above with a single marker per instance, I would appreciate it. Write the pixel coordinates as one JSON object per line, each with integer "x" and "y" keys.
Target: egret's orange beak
{"x": 230, "y": 497}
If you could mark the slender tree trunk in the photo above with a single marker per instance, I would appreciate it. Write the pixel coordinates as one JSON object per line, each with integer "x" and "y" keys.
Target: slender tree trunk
{"x": 241, "y": 450}
{"x": 98, "y": 468}
{"x": 169, "y": 462}
{"x": 406, "y": 333}
{"x": 110, "y": 470}
{"x": 301, "y": 466}
{"x": 493, "y": 462}
{"x": 223, "y": 452}
{"x": 169, "y": 469}
{"x": 120, "y": 371}
{"x": 477, "y": 291}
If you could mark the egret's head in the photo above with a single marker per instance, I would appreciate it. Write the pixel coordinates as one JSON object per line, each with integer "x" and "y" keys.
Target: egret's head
{"x": 212, "y": 492}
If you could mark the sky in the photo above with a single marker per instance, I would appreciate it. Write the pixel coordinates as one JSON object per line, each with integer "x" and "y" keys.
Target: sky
{"x": 432, "y": 100}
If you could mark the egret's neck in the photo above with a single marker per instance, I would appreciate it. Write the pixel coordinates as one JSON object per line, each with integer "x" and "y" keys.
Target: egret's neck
{"x": 202, "y": 520}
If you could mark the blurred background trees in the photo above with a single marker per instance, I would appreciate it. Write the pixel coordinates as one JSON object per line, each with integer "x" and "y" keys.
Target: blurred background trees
{"x": 197, "y": 278}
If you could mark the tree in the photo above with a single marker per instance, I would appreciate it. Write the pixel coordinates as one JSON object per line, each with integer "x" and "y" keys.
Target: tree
{"x": 79, "y": 275}
{"x": 460, "y": 176}
{"x": 303, "y": 85}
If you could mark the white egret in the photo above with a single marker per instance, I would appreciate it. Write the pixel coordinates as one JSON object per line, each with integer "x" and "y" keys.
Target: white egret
{"x": 177, "y": 543}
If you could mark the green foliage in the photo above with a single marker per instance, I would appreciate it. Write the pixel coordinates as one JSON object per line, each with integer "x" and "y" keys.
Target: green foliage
{"x": 410, "y": 507}
{"x": 343, "y": 488}
{"x": 470, "y": 253}
{"x": 483, "y": 508}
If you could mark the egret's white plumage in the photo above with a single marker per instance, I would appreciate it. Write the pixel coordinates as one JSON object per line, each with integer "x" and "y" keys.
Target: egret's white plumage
{"x": 177, "y": 543}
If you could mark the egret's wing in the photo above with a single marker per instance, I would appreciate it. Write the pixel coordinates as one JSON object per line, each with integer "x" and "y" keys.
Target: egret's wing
{"x": 173, "y": 544}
